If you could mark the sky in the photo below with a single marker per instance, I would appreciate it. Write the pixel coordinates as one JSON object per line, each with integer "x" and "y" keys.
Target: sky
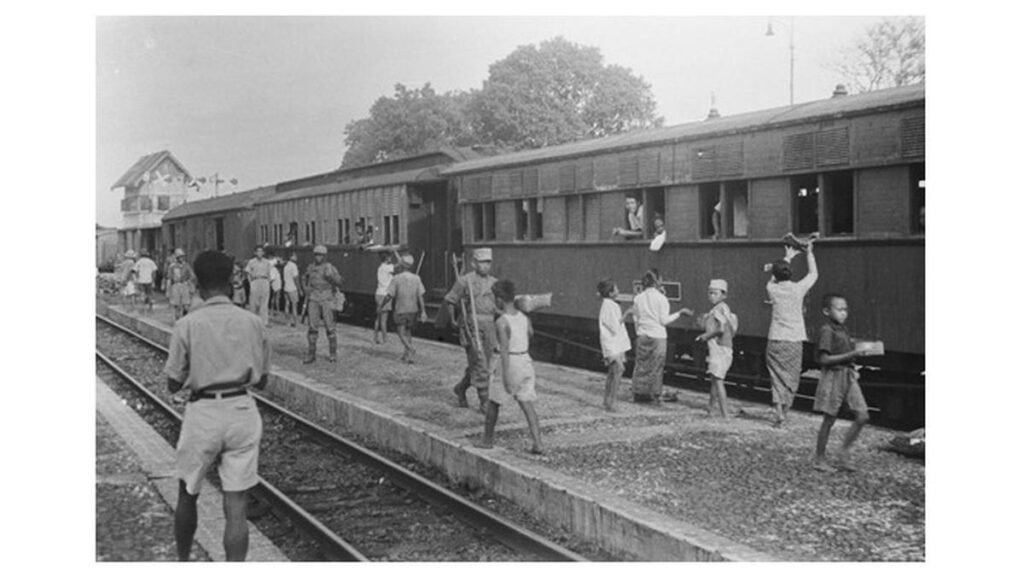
{"x": 267, "y": 99}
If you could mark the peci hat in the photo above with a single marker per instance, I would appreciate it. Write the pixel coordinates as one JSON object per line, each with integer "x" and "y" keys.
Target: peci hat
{"x": 320, "y": 249}
{"x": 718, "y": 284}
{"x": 408, "y": 260}
{"x": 482, "y": 254}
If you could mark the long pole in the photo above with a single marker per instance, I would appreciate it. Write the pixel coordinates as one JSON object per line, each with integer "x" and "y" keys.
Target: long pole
{"x": 792, "y": 58}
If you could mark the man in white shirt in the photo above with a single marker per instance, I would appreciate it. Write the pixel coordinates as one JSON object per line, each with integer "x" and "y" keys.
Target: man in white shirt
{"x": 144, "y": 270}
{"x": 652, "y": 315}
{"x": 385, "y": 272}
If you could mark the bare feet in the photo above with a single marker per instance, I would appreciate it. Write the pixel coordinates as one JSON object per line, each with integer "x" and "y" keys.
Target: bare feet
{"x": 822, "y": 466}
{"x": 537, "y": 450}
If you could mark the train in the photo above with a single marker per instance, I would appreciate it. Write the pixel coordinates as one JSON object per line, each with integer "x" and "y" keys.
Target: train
{"x": 850, "y": 168}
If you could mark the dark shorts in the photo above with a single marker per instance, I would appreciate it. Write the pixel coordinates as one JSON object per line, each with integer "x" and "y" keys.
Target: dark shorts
{"x": 406, "y": 319}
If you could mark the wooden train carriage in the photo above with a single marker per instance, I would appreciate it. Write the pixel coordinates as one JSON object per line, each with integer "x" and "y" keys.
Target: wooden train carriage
{"x": 226, "y": 223}
{"x": 850, "y": 168}
{"x": 405, "y": 201}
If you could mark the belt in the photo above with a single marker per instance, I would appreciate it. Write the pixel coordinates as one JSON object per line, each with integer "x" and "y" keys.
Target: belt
{"x": 217, "y": 395}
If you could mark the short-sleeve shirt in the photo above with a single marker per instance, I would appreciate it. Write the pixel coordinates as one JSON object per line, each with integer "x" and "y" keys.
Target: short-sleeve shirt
{"x": 179, "y": 272}
{"x": 258, "y": 269}
{"x": 636, "y": 221}
{"x": 407, "y": 289}
{"x": 833, "y": 339}
{"x": 483, "y": 298}
{"x": 614, "y": 338}
{"x": 652, "y": 313}
{"x": 788, "y": 309}
{"x": 385, "y": 272}
{"x": 275, "y": 278}
{"x": 291, "y": 272}
{"x": 144, "y": 270}
{"x": 218, "y": 343}
{"x": 721, "y": 317}
{"x": 321, "y": 280}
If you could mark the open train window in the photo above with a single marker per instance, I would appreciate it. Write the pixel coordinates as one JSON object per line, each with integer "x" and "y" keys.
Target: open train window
{"x": 218, "y": 233}
{"x": 522, "y": 219}
{"x": 654, "y": 200}
{"x": 312, "y": 232}
{"x": 490, "y": 230}
{"x": 839, "y": 202}
{"x": 709, "y": 206}
{"x": 387, "y": 230}
{"x": 734, "y": 212}
{"x": 805, "y": 203}
{"x": 395, "y": 236}
{"x": 293, "y": 232}
{"x": 917, "y": 198}
{"x": 536, "y": 218}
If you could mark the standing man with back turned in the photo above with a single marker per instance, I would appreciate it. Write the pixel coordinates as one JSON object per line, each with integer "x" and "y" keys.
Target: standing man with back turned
{"x": 319, "y": 283}
{"x": 473, "y": 290}
{"x": 217, "y": 351}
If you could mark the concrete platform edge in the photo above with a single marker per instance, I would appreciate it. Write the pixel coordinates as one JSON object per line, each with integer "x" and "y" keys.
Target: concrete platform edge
{"x": 605, "y": 519}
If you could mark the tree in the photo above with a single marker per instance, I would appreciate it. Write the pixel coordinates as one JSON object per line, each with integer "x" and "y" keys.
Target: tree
{"x": 889, "y": 54}
{"x": 555, "y": 93}
{"x": 412, "y": 121}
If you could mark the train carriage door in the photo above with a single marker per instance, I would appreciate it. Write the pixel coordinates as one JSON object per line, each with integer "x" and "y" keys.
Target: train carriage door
{"x": 429, "y": 225}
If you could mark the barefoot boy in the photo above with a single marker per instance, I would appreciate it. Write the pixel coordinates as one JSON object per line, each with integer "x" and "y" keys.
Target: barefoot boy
{"x": 517, "y": 377}
{"x": 720, "y": 326}
{"x": 838, "y": 383}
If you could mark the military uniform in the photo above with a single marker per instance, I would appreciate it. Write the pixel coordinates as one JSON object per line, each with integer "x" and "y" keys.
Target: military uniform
{"x": 180, "y": 279}
{"x": 480, "y": 363}
{"x": 319, "y": 282}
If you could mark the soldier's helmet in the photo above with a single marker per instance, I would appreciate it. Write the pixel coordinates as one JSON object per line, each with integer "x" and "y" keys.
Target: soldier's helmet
{"x": 320, "y": 249}
{"x": 179, "y": 252}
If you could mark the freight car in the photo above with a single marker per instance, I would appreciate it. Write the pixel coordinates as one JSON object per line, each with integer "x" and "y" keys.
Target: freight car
{"x": 850, "y": 168}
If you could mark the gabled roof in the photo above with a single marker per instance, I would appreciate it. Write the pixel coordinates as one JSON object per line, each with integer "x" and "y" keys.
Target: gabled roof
{"x": 145, "y": 164}
{"x": 429, "y": 174}
{"x": 759, "y": 120}
{"x": 230, "y": 202}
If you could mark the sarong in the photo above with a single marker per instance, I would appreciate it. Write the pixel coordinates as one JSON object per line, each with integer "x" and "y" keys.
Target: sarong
{"x": 785, "y": 361}
{"x": 649, "y": 370}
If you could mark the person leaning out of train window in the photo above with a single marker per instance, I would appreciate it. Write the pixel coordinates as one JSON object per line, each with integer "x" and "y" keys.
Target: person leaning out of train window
{"x": 634, "y": 220}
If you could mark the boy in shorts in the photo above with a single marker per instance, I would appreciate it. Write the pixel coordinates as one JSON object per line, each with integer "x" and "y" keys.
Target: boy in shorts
{"x": 518, "y": 380}
{"x": 720, "y": 326}
{"x": 407, "y": 290}
{"x": 838, "y": 383}
{"x": 217, "y": 351}
{"x": 614, "y": 339}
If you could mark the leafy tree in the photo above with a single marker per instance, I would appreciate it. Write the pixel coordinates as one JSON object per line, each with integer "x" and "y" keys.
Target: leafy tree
{"x": 558, "y": 92}
{"x": 889, "y": 54}
{"x": 411, "y": 121}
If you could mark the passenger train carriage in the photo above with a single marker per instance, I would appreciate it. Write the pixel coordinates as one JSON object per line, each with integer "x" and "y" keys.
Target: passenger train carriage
{"x": 849, "y": 167}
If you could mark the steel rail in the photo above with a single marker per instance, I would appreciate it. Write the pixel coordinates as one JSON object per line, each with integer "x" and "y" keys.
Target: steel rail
{"x": 333, "y": 547}
{"x": 516, "y": 537}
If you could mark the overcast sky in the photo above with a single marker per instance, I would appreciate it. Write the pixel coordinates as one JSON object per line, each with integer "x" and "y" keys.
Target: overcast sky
{"x": 266, "y": 99}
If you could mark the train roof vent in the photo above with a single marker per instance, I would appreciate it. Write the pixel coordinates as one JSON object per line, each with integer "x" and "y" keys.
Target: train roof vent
{"x": 839, "y": 91}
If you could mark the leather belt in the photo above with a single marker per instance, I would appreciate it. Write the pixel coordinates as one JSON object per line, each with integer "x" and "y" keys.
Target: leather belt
{"x": 201, "y": 395}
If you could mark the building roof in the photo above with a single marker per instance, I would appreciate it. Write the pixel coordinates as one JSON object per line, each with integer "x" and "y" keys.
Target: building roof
{"x": 830, "y": 108}
{"x": 144, "y": 165}
{"x": 227, "y": 203}
{"x": 429, "y": 174}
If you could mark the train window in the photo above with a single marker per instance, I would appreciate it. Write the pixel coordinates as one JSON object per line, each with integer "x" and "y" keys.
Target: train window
{"x": 917, "y": 198}
{"x": 654, "y": 201}
{"x": 395, "y": 236}
{"x": 293, "y": 232}
{"x": 536, "y": 218}
{"x": 805, "y": 203}
{"x": 478, "y": 221}
{"x": 387, "y": 230}
{"x": 312, "y": 232}
{"x": 839, "y": 202}
{"x": 735, "y": 209}
{"x": 709, "y": 205}
{"x": 522, "y": 219}
{"x": 218, "y": 233}
{"x": 574, "y": 218}
{"x": 490, "y": 229}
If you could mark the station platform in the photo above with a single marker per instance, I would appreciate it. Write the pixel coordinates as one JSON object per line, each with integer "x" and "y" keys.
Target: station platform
{"x": 657, "y": 483}
{"x": 136, "y": 494}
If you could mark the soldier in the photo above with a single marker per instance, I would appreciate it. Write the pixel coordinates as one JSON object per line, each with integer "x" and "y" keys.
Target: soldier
{"x": 258, "y": 271}
{"x": 319, "y": 283}
{"x": 180, "y": 281}
{"x": 472, "y": 294}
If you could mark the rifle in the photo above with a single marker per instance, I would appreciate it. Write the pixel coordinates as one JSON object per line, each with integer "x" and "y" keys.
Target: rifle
{"x": 475, "y": 339}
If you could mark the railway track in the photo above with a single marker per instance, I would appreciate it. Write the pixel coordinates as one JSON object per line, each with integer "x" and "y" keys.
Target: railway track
{"x": 355, "y": 504}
